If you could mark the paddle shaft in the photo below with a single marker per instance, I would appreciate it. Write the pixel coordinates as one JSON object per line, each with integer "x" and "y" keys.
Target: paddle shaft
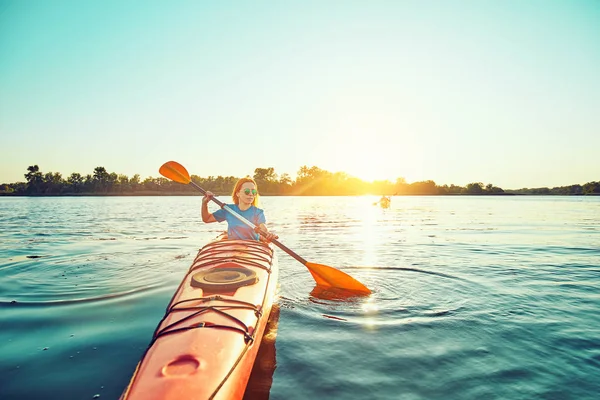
{"x": 250, "y": 224}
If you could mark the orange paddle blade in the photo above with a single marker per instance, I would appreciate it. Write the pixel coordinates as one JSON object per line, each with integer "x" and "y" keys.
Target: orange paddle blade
{"x": 175, "y": 172}
{"x": 328, "y": 276}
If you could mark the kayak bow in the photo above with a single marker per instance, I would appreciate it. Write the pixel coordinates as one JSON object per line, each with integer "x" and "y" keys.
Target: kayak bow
{"x": 206, "y": 344}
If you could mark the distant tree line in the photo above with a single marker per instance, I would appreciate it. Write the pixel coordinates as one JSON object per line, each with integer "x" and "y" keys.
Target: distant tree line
{"x": 590, "y": 188}
{"x": 310, "y": 181}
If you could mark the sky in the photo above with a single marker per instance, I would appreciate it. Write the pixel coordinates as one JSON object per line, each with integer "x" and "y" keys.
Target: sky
{"x": 502, "y": 92}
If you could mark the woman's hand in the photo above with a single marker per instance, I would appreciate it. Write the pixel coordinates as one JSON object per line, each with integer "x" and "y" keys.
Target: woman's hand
{"x": 207, "y": 196}
{"x": 265, "y": 235}
{"x": 270, "y": 236}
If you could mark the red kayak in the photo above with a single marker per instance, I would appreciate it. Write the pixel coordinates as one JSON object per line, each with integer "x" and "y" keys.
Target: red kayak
{"x": 206, "y": 344}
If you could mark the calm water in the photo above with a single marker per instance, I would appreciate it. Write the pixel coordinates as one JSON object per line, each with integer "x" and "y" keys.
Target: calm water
{"x": 474, "y": 297}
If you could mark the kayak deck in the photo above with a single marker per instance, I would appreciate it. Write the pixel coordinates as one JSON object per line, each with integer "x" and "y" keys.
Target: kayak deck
{"x": 205, "y": 345}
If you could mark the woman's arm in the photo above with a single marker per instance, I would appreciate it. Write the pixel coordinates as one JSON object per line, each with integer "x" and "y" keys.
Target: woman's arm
{"x": 206, "y": 216}
{"x": 268, "y": 235}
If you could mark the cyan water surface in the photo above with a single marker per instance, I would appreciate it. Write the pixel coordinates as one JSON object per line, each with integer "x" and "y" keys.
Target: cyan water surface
{"x": 473, "y": 297}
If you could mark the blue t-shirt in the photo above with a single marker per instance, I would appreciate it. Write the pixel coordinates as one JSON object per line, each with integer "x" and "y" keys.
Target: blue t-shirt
{"x": 236, "y": 229}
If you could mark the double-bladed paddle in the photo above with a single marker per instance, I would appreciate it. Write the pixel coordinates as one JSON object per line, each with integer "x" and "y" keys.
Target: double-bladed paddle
{"x": 323, "y": 275}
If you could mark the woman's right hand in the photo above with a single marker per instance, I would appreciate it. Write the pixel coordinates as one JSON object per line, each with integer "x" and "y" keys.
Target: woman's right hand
{"x": 207, "y": 196}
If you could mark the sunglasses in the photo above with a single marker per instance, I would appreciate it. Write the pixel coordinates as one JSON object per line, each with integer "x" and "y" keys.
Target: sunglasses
{"x": 248, "y": 191}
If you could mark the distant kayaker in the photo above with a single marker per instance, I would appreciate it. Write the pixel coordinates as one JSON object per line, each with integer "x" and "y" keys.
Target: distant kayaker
{"x": 245, "y": 199}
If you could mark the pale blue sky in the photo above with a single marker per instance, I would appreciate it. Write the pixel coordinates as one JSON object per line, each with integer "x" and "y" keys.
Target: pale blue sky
{"x": 502, "y": 92}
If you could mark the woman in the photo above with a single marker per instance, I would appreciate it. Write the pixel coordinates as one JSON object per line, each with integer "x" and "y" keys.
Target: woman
{"x": 245, "y": 199}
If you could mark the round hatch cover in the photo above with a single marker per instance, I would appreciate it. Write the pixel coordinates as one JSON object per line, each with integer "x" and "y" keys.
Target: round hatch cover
{"x": 224, "y": 278}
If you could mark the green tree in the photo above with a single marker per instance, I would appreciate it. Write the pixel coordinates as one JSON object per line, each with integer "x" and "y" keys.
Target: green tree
{"x": 540, "y": 191}
{"x": 5, "y": 188}
{"x": 265, "y": 174}
{"x": 35, "y": 179}
{"x": 101, "y": 179}
{"x": 53, "y": 183}
{"x": 134, "y": 182}
{"x": 311, "y": 181}
{"x": 284, "y": 184}
{"x": 423, "y": 188}
{"x": 591, "y": 188}
{"x": 401, "y": 187}
{"x": 122, "y": 184}
{"x": 75, "y": 182}
{"x": 474, "y": 188}
{"x": 88, "y": 184}
{"x": 380, "y": 188}
{"x": 266, "y": 179}
{"x": 151, "y": 184}
{"x": 491, "y": 189}
{"x": 112, "y": 182}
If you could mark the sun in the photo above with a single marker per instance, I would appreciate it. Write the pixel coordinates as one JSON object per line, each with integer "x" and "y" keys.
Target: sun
{"x": 368, "y": 172}
{"x": 363, "y": 168}
{"x": 366, "y": 164}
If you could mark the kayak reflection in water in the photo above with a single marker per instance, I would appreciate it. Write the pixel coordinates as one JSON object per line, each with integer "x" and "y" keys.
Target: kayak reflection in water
{"x": 261, "y": 377}
{"x": 245, "y": 199}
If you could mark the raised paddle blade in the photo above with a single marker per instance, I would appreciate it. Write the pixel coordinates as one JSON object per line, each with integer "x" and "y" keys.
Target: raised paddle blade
{"x": 328, "y": 276}
{"x": 175, "y": 172}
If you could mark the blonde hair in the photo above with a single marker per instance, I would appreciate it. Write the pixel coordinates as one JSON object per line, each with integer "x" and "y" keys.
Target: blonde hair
{"x": 238, "y": 187}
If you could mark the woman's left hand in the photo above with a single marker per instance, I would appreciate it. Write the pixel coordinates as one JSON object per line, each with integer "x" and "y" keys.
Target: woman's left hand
{"x": 266, "y": 235}
{"x": 270, "y": 236}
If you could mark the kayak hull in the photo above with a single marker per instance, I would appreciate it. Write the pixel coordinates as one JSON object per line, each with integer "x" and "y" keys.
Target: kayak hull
{"x": 206, "y": 344}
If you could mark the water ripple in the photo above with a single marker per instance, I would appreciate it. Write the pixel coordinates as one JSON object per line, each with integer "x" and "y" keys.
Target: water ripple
{"x": 400, "y": 295}
{"x": 87, "y": 277}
